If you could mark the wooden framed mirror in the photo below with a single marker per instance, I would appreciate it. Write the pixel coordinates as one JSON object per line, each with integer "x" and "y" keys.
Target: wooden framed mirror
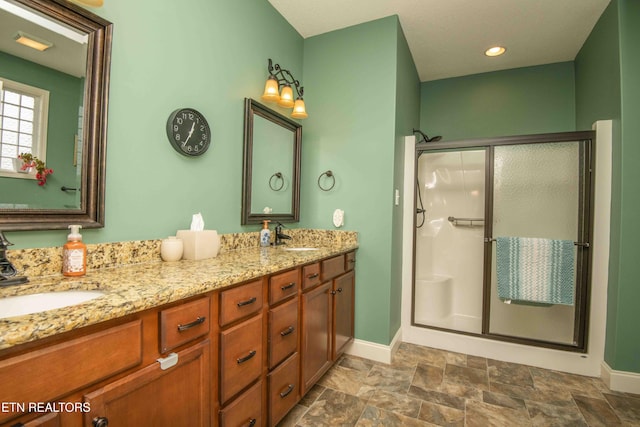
{"x": 76, "y": 69}
{"x": 271, "y": 166}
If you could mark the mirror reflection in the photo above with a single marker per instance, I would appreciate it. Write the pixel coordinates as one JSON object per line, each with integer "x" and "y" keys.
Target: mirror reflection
{"x": 271, "y": 180}
{"x": 53, "y": 91}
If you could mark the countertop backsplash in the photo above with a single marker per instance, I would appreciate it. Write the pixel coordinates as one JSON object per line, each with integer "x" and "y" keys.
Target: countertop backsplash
{"x": 39, "y": 262}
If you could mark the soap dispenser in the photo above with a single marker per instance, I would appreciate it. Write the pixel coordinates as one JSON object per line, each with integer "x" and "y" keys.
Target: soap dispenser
{"x": 265, "y": 234}
{"x": 74, "y": 253}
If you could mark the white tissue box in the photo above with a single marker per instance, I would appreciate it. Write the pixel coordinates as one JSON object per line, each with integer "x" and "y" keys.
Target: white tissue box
{"x": 199, "y": 244}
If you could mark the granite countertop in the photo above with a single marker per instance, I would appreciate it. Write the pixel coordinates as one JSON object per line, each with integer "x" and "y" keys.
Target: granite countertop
{"x": 134, "y": 288}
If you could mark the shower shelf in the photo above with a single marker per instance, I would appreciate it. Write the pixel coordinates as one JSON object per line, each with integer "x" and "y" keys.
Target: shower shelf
{"x": 466, "y": 222}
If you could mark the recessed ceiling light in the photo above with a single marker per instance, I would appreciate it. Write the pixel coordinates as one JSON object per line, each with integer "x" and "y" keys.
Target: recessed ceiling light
{"x": 495, "y": 51}
{"x": 32, "y": 41}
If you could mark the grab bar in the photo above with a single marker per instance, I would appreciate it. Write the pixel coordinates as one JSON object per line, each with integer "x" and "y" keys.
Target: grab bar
{"x": 455, "y": 220}
{"x": 583, "y": 244}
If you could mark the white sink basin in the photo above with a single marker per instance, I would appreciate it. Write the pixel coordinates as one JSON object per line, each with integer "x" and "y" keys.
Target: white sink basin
{"x": 35, "y": 303}
{"x": 300, "y": 249}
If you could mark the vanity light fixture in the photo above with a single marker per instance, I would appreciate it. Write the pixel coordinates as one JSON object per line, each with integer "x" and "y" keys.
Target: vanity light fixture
{"x": 495, "y": 51}
{"x": 279, "y": 77}
{"x": 32, "y": 41}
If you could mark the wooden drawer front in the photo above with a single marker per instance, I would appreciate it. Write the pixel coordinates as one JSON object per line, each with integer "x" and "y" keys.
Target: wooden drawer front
{"x": 240, "y": 302}
{"x": 246, "y": 410}
{"x": 350, "y": 261}
{"x": 310, "y": 275}
{"x": 283, "y": 332}
{"x": 176, "y": 396}
{"x": 183, "y": 323}
{"x": 284, "y": 392}
{"x": 283, "y": 285}
{"x": 240, "y": 357}
{"x": 45, "y": 374}
{"x": 332, "y": 267}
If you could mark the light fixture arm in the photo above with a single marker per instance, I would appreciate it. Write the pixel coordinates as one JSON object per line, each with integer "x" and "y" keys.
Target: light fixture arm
{"x": 284, "y": 77}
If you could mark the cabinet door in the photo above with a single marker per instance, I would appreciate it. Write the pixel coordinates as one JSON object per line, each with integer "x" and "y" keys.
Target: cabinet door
{"x": 177, "y": 396}
{"x": 343, "y": 310}
{"x": 316, "y": 334}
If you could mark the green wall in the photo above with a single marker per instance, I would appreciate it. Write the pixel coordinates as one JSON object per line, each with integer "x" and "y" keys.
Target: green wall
{"x": 64, "y": 91}
{"x": 607, "y": 87}
{"x": 627, "y": 346}
{"x": 521, "y": 101}
{"x": 407, "y": 118}
{"x": 350, "y": 91}
{"x": 205, "y": 54}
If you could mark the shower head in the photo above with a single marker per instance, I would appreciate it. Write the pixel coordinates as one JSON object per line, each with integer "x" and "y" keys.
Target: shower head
{"x": 425, "y": 138}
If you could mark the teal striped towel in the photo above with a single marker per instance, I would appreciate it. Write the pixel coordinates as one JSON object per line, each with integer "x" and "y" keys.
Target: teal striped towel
{"x": 535, "y": 270}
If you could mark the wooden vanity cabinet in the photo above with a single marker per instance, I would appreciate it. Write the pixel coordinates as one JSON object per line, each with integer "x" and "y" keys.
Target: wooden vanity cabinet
{"x": 243, "y": 355}
{"x": 327, "y": 324}
{"x": 153, "y": 396}
{"x": 242, "y": 359}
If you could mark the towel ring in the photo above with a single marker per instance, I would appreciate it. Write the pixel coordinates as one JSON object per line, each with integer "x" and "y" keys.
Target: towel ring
{"x": 272, "y": 183}
{"x": 329, "y": 174}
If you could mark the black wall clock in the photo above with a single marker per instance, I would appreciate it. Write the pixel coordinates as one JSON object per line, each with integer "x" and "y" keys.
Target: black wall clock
{"x": 188, "y": 132}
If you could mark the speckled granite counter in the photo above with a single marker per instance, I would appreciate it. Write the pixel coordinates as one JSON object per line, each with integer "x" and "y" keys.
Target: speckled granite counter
{"x": 136, "y": 287}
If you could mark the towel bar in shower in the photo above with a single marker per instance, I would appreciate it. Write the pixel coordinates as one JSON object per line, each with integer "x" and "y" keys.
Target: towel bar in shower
{"x": 583, "y": 244}
{"x": 455, "y": 221}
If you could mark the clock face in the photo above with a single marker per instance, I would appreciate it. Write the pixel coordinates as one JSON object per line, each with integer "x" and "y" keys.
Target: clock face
{"x": 188, "y": 132}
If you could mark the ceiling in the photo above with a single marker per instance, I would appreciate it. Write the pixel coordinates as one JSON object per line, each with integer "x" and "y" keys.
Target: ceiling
{"x": 69, "y": 51}
{"x": 447, "y": 38}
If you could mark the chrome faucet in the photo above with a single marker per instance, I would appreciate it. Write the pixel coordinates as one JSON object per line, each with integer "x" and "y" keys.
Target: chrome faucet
{"x": 8, "y": 273}
{"x": 280, "y": 236}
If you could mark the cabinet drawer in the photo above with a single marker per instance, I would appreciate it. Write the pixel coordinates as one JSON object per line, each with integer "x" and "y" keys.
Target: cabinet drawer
{"x": 350, "y": 261}
{"x": 183, "y": 323}
{"x": 246, "y": 410}
{"x": 240, "y": 302}
{"x": 283, "y": 332}
{"x": 310, "y": 275}
{"x": 283, "y": 285}
{"x": 283, "y": 389}
{"x": 240, "y": 357}
{"x": 45, "y": 374}
{"x": 332, "y": 267}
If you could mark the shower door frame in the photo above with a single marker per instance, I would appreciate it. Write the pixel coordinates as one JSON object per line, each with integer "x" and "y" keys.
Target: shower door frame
{"x": 585, "y": 220}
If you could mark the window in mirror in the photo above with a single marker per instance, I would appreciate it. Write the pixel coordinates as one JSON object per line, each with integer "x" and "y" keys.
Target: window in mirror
{"x": 23, "y": 125}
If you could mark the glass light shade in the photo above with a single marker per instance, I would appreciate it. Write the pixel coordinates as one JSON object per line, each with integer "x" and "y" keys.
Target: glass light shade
{"x": 271, "y": 90}
{"x": 286, "y": 97}
{"x": 299, "y": 111}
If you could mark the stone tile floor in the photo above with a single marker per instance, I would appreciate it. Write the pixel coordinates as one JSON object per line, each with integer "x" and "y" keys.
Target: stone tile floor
{"x": 429, "y": 387}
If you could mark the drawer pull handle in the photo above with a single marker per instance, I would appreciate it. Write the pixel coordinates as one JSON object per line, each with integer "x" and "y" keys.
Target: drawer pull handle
{"x": 287, "y": 391}
{"x": 252, "y": 422}
{"x": 247, "y": 357}
{"x": 196, "y": 322}
{"x": 289, "y": 286}
{"x": 247, "y": 302}
{"x": 288, "y": 331}
{"x": 312, "y": 276}
{"x": 339, "y": 289}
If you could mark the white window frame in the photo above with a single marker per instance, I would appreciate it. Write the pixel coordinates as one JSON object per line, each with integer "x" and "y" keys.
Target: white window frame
{"x": 40, "y": 122}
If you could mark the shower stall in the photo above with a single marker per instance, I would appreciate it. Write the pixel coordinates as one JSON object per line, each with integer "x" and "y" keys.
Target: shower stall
{"x": 475, "y": 197}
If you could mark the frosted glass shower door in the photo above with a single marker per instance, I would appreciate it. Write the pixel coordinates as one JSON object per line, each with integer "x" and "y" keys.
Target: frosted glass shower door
{"x": 537, "y": 193}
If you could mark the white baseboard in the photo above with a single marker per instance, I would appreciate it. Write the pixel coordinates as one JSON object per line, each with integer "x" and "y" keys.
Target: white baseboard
{"x": 374, "y": 351}
{"x": 628, "y": 382}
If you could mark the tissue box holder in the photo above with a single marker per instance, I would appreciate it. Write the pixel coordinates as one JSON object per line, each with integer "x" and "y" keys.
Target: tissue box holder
{"x": 199, "y": 244}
